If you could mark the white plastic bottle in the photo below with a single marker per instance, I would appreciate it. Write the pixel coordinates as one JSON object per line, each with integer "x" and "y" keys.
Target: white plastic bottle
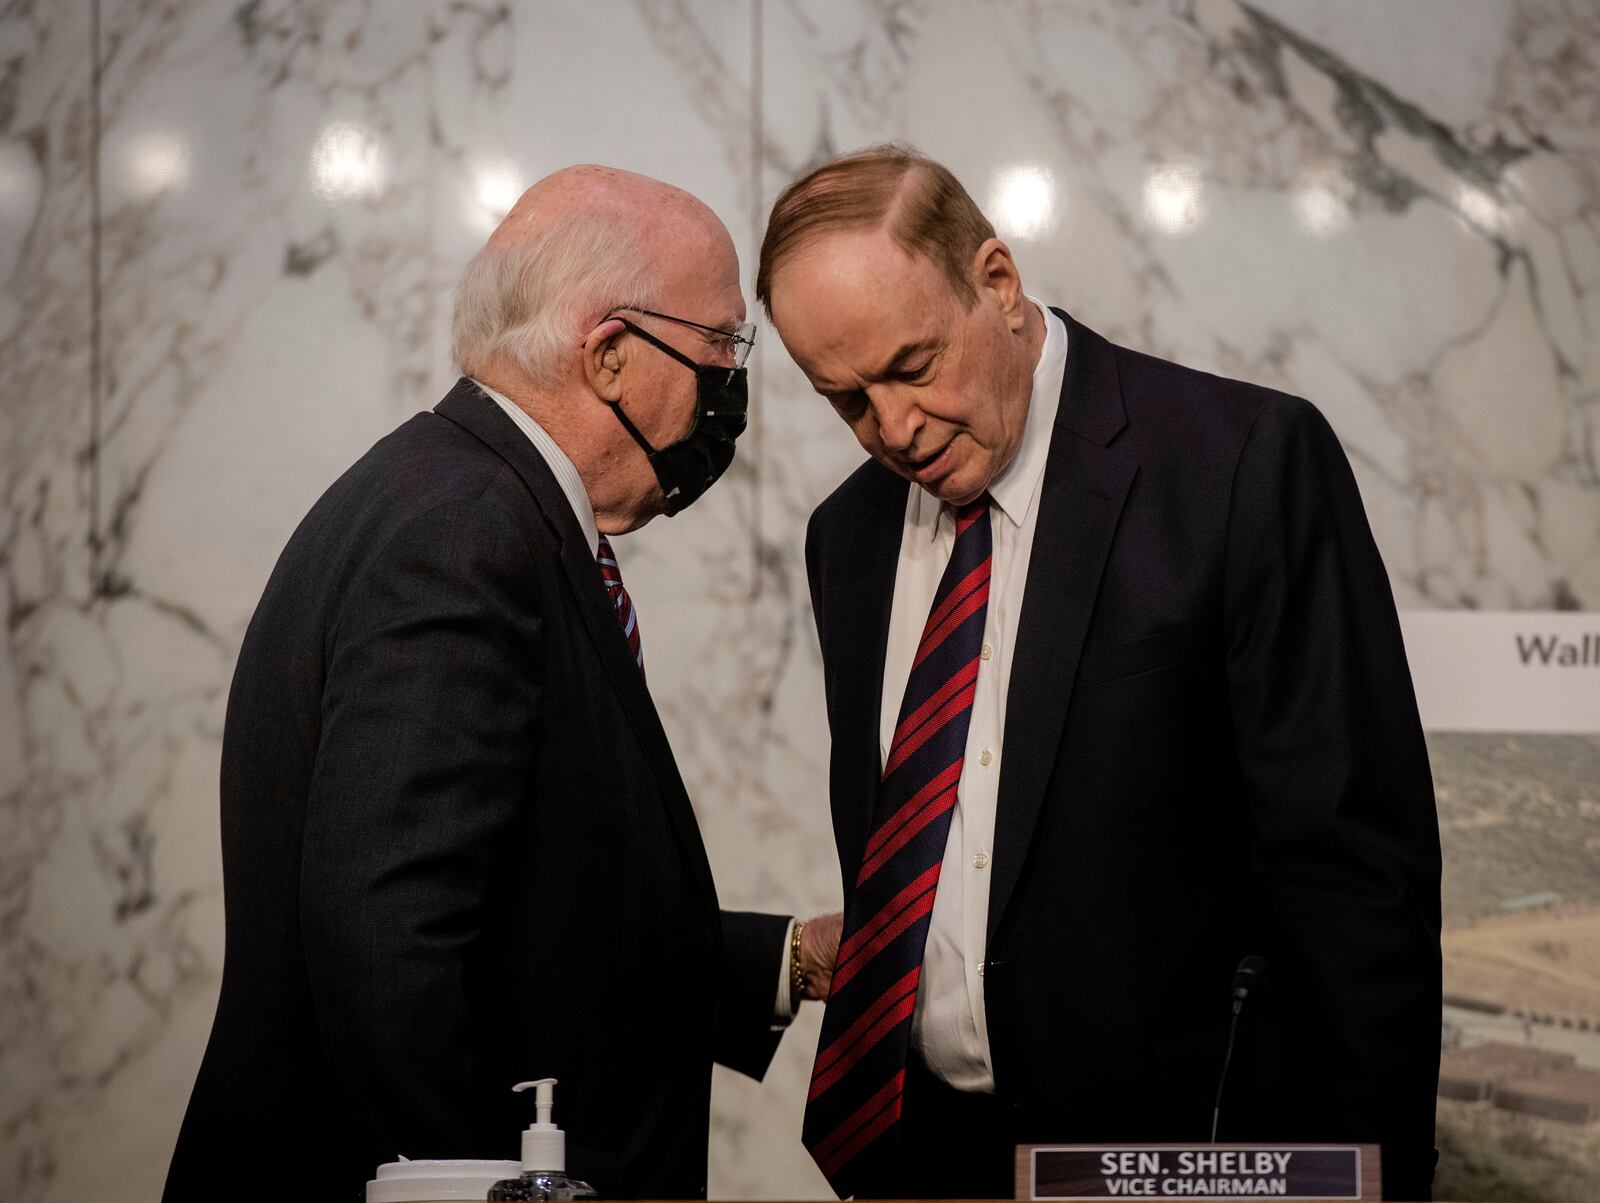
{"x": 544, "y": 1155}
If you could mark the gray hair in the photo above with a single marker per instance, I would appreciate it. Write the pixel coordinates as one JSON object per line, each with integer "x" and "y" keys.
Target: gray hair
{"x": 531, "y": 301}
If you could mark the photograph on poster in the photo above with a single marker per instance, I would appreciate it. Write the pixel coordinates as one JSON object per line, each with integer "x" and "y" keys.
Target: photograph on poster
{"x": 1519, "y": 1090}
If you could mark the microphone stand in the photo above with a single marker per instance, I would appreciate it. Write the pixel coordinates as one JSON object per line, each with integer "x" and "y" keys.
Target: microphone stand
{"x": 1251, "y": 975}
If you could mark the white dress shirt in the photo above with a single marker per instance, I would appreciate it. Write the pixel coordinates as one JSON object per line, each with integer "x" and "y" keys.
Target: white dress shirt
{"x": 949, "y": 1025}
{"x": 566, "y": 474}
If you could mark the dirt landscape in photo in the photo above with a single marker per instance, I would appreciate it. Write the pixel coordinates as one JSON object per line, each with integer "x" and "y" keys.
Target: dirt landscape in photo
{"x": 1519, "y": 819}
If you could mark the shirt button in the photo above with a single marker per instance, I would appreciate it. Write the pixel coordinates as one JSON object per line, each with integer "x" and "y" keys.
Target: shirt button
{"x": 980, "y": 970}
{"x": 988, "y": 651}
{"x": 980, "y": 861}
{"x": 985, "y": 756}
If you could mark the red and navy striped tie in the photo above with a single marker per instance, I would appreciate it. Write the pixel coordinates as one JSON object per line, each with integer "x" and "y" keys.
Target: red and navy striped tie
{"x": 611, "y": 574}
{"x": 859, "y": 1076}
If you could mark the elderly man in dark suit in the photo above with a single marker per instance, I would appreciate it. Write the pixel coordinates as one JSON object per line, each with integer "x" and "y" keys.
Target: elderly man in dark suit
{"x": 1118, "y": 698}
{"x": 457, "y": 852}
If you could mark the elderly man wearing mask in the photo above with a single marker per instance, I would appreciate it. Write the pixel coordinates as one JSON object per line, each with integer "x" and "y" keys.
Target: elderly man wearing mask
{"x": 457, "y": 851}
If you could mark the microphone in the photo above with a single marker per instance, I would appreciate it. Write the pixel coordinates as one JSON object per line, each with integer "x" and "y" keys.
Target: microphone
{"x": 1251, "y": 975}
{"x": 1248, "y": 979}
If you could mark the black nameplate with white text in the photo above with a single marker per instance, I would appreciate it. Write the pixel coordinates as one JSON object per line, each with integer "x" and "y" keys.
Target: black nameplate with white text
{"x": 1197, "y": 1172}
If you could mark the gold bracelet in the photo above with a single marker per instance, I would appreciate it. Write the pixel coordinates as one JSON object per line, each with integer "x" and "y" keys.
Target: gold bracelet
{"x": 797, "y": 975}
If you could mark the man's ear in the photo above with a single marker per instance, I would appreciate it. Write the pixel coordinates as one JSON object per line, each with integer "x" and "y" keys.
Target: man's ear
{"x": 995, "y": 271}
{"x": 604, "y": 356}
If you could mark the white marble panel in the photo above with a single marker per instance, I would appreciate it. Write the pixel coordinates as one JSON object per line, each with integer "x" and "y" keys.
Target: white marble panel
{"x": 288, "y": 191}
{"x": 262, "y": 170}
{"x": 51, "y": 729}
{"x": 1390, "y": 215}
{"x": 1394, "y": 211}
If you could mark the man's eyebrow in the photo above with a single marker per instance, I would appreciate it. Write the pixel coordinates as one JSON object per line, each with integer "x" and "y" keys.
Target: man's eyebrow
{"x": 905, "y": 352}
{"x": 824, "y": 388}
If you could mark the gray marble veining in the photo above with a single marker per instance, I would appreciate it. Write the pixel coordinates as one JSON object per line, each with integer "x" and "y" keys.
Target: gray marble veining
{"x": 229, "y": 232}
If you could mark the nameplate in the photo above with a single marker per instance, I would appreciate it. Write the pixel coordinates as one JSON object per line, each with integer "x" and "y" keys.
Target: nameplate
{"x": 1167, "y": 1171}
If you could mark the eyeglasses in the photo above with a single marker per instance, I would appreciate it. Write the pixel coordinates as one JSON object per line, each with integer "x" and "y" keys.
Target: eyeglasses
{"x": 736, "y": 343}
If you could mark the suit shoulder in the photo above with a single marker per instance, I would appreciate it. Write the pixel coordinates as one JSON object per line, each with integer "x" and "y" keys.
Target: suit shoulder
{"x": 1201, "y": 409}
{"x": 425, "y": 465}
{"x": 1149, "y": 377}
{"x": 426, "y": 461}
{"x": 855, "y": 496}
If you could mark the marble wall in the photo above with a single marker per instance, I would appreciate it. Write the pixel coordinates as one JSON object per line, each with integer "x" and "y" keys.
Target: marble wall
{"x": 229, "y": 229}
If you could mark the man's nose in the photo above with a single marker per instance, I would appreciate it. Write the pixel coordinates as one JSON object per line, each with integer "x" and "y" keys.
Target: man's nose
{"x": 899, "y": 419}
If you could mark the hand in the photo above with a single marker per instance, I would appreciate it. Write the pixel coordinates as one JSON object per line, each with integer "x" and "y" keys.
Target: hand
{"x": 819, "y": 948}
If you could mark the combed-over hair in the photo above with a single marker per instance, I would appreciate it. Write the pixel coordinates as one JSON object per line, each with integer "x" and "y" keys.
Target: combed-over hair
{"x": 926, "y": 210}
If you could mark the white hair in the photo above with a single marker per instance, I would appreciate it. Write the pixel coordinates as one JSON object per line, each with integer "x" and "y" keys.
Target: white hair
{"x": 532, "y": 301}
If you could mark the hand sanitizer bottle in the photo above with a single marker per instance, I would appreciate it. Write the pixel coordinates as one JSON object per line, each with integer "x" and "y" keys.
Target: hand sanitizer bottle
{"x": 544, "y": 1155}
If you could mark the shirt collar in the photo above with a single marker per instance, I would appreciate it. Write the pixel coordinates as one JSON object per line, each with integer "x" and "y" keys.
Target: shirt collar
{"x": 565, "y": 472}
{"x": 1015, "y": 490}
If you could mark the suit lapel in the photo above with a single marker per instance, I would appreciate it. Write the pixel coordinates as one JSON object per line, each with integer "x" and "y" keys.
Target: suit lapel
{"x": 468, "y": 407}
{"x": 859, "y": 594}
{"x": 1085, "y": 485}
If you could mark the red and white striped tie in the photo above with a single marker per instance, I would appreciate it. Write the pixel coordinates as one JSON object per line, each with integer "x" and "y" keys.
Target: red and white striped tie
{"x": 611, "y": 574}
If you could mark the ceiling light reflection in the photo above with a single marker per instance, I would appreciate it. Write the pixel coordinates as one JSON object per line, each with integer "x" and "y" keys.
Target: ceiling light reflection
{"x": 348, "y": 163}
{"x": 1479, "y": 208}
{"x": 155, "y": 163}
{"x": 1022, "y": 201}
{"x": 496, "y": 185}
{"x": 1174, "y": 197}
{"x": 1322, "y": 200}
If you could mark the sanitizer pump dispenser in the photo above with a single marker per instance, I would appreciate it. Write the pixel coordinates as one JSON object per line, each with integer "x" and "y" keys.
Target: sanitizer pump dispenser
{"x": 544, "y": 1155}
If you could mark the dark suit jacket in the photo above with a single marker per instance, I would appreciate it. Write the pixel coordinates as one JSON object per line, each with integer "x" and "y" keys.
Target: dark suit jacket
{"x": 1211, "y": 749}
{"x": 457, "y": 853}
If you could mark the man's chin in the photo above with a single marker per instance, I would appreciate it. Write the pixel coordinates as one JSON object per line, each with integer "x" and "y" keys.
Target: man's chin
{"x": 955, "y": 489}
{"x": 623, "y": 522}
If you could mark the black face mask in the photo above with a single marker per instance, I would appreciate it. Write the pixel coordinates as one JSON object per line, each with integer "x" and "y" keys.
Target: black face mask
{"x": 692, "y": 465}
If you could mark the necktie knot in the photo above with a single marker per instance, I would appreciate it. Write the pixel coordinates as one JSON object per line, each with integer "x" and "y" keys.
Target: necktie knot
{"x": 966, "y": 515}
